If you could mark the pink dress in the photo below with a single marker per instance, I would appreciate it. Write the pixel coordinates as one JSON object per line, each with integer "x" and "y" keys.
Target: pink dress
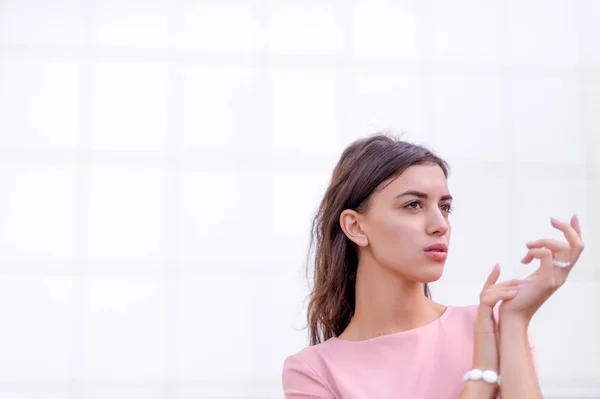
{"x": 423, "y": 363}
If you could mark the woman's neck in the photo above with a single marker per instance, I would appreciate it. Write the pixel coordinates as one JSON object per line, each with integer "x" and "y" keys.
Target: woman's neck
{"x": 387, "y": 304}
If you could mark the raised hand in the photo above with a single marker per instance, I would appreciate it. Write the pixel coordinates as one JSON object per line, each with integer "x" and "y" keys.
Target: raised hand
{"x": 557, "y": 259}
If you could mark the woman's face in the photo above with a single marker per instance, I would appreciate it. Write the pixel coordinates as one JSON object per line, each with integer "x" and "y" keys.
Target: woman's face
{"x": 407, "y": 226}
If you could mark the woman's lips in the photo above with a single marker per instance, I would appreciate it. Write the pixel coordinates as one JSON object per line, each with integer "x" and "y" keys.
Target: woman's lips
{"x": 437, "y": 255}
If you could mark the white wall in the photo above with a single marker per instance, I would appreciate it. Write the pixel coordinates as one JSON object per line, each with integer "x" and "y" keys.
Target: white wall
{"x": 160, "y": 162}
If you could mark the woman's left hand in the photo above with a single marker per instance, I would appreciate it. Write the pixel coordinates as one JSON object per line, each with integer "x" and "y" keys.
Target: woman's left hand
{"x": 562, "y": 252}
{"x": 557, "y": 260}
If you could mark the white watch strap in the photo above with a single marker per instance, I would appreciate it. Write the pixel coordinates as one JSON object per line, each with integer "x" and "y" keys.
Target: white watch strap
{"x": 489, "y": 376}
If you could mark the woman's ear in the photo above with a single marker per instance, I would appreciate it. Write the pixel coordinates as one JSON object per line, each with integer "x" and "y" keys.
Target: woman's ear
{"x": 350, "y": 222}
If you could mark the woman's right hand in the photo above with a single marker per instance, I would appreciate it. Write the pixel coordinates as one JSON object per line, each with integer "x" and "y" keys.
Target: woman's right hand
{"x": 485, "y": 344}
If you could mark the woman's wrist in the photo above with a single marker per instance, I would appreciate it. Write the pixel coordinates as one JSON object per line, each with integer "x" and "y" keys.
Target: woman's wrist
{"x": 485, "y": 351}
{"x": 480, "y": 389}
{"x": 513, "y": 321}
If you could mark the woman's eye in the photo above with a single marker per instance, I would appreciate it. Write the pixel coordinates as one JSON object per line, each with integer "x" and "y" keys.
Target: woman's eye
{"x": 446, "y": 208}
{"x": 413, "y": 205}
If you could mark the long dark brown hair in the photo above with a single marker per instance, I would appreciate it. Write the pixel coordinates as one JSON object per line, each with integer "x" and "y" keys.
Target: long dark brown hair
{"x": 364, "y": 167}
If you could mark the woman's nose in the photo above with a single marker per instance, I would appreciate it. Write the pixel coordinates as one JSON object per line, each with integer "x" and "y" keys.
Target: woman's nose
{"x": 438, "y": 223}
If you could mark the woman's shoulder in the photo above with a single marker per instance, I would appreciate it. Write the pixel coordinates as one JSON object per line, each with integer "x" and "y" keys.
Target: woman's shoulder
{"x": 306, "y": 371}
{"x": 307, "y": 357}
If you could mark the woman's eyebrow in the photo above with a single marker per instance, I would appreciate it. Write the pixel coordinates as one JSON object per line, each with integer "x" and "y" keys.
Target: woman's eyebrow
{"x": 420, "y": 194}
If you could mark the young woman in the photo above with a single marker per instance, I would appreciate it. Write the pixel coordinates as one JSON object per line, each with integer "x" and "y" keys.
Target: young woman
{"x": 382, "y": 234}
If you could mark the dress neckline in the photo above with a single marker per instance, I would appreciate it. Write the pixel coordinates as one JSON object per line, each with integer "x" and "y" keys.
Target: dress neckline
{"x": 412, "y": 331}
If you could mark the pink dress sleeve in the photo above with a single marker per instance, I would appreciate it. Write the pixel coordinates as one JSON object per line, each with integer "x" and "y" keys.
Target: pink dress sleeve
{"x": 300, "y": 381}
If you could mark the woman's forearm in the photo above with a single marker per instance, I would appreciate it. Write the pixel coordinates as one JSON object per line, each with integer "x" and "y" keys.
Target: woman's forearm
{"x": 518, "y": 376}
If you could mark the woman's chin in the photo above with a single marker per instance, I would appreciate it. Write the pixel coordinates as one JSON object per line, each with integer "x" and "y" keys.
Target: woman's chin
{"x": 431, "y": 273}
{"x": 425, "y": 273}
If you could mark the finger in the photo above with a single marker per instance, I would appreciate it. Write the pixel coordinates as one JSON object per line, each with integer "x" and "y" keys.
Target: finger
{"x": 545, "y": 257}
{"x": 485, "y": 311}
{"x": 553, "y": 245}
{"x": 496, "y": 290}
{"x": 493, "y": 277}
{"x": 570, "y": 234}
{"x": 575, "y": 224}
{"x": 509, "y": 284}
{"x": 491, "y": 295}
{"x": 494, "y": 295}
{"x": 508, "y": 295}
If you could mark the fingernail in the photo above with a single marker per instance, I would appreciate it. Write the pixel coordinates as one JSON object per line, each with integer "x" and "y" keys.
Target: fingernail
{"x": 513, "y": 292}
{"x": 576, "y": 218}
